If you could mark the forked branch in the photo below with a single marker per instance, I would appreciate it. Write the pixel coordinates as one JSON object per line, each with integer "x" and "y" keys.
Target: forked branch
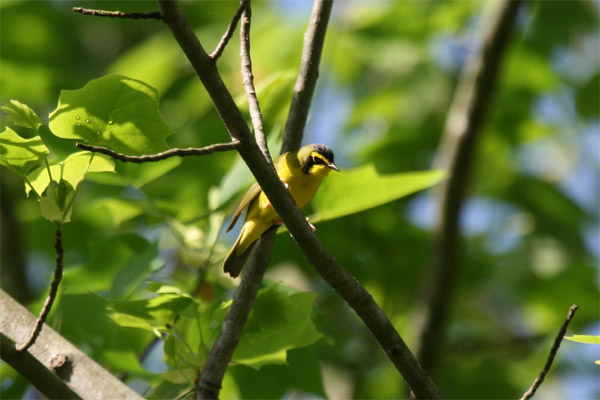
{"x": 228, "y": 33}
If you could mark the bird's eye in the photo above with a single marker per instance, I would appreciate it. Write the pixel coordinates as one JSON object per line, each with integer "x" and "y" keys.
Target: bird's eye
{"x": 317, "y": 160}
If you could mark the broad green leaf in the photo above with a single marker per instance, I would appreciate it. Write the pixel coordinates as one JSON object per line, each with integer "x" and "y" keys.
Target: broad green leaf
{"x": 56, "y": 202}
{"x": 150, "y": 314}
{"x": 279, "y": 321}
{"x": 584, "y": 339}
{"x": 49, "y": 206}
{"x": 20, "y": 154}
{"x": 22, "y": 115}
{"x": 113, "y": 111}
{"x": 72, "y": 170}
{"x": 362, "y": 188}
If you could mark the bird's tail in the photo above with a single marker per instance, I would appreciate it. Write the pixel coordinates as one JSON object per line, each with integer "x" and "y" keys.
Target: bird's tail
{"x": 234, "y": 262}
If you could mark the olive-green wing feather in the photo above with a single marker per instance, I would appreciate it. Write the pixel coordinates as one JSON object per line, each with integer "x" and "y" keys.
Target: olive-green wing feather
{"x": 252, "y": 193}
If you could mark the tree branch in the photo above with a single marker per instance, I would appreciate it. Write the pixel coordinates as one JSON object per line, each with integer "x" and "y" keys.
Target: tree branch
{"x": 561, "y": 334}
{"x": 354, "y": 294}
{"x": 228, "y": 33}
{"x": 58, "y": 271}
{"x": 53, "y": 365}
{"x": 222, "y": 351}
{"x": 118, "y": 14}
{"x": 314, "y": 39}
{"x": 214, "y": 148}
{"x": 231, "y": 330}
{"x": 248, "y": 79}
{"x": 456, "y": 154}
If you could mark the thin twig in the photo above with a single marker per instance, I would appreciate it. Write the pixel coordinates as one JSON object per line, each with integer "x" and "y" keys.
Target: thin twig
{"x": 314, "y": 38}
{"x": 58, "y": 271}
{"x": 192, "y": 151}
{"x": 231, "y": 330}
{"x": 561, "y": 334}
{"x": 118, "y": 14}
{"x": 248, "y": 78}
{"x": 228, "y": 33}
{"x": 456, "y": 154}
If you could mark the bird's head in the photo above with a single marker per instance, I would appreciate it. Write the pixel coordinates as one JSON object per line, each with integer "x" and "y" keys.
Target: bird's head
{"x": 316, "y": 159}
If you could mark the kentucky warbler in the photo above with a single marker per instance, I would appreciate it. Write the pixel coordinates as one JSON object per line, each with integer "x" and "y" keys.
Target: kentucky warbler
{"x": 302, "y": 173}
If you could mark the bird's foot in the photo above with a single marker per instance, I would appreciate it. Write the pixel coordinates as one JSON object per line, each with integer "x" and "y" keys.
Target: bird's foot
{"x": 311, "y": 225}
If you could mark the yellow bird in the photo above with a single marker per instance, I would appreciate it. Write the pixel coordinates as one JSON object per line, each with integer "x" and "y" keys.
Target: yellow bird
{"x": 301, "y": 172}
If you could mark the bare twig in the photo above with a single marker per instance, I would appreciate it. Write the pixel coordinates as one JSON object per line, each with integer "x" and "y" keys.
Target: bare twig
{"x": 58, "y": 271}
{"x": 118, "y": 14}
{"x": 352, "y": 292}
{"x": 314, "y": 39}
{"x": 456, "y": 154}
{"x": 222, "y": 351}
{"x": 248, "y": 78}
{"x": 561, "y": 334}
{"x": 228, "y": 33}
{"x": 214, "y": 148}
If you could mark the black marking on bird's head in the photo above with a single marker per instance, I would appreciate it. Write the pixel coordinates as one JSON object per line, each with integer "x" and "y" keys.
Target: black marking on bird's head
{"x": 316, "y": 154}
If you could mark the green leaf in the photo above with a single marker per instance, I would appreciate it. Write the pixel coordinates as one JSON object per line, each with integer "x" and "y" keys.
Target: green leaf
{"x": 22, "y": 115}
{"x": 150, "y": 314}
{"x": 584, "y": 339}
{"x": 72, "y": 170}
{"x": 278, "y": 322}
{"x": 49, "y": 205}
{"x": 112, "y": 111}
{"x": 362, "y": 188}
{"x": 20, "y": 154}
{"x": 55, "y": 202}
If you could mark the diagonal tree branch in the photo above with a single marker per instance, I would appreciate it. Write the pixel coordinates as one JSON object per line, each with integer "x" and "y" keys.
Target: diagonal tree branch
{"x": 57, "y": 368}
{"x": 222, "y": 351}
{"x": 231, "y": 330}
{"x": 352, "y": 292}
{"x": 314, "y": 38}
{"x": 559, "y": 337}
{"x": 213, "y": 148}
{"x": 456, "y": 154}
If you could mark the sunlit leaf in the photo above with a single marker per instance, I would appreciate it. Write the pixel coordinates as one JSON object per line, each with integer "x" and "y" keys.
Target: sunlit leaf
{"x": 113, "y": 111}
{"x": 584, "y": 339}
{"x": 20, "y": 154}
{"x": 20, "y": 114}
{"x": 72, "y": 170}
{"x": 361, "y": 188}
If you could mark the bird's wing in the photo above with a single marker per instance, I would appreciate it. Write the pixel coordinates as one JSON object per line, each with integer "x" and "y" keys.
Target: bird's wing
{"x": 254, "y": 191}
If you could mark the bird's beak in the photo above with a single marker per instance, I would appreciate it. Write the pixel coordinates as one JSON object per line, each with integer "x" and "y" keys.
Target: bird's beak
{"x": 333, "y": 167}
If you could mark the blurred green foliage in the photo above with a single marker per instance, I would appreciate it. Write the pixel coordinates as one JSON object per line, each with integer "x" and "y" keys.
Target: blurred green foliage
{"x": 144, "y": 247}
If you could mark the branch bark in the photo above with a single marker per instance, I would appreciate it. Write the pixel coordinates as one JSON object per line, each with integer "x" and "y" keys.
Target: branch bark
{"x": 52, "y": 364}
{"x": 456, "y": 154}
{"x": 354, "y": 294}
{"x": 231, "y": 330}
